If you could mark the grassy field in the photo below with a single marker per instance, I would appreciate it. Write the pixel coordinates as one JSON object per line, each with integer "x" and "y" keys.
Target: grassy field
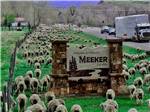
{"x": 88, "y": 103}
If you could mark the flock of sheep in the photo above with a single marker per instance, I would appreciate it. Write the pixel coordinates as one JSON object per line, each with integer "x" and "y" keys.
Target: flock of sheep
{"x": 37, "y": 51}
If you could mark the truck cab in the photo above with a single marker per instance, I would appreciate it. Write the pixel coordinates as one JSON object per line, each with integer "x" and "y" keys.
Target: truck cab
{"x": 143, "y": 31}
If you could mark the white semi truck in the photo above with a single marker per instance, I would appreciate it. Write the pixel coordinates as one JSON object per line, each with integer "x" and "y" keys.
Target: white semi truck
{"x": 133, "y": 27}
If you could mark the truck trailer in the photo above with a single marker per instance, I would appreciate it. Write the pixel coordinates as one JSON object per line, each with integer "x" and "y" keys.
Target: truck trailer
{"x": 133, "y": 27}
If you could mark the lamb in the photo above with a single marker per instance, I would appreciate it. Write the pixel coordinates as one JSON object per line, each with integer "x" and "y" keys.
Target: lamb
{"x": 110, "y": 94}
{"x": 138, "y": 95}
{"x": 36, "y": 108}
{"x": 132, "y": 71}
{"x": 22, "y": 100}
{"x": 18, "y": 79}
{"x": 148, "y": 102}
{"x": 143, "y": 71}
{"x": 109, "y": 106}
{"x": 132, "y": 110}
{"x": 124, "y": 61}
{"x": 61, "y": 108}
{"x": 34, "y": 99}
{"x": 30, "y": 73}
{"x": 53, "y": 104}
{"x": 49, "y": 61}
{"x": 76, "y": 108}
{"x": 37, "y": 73}
{"x": 30, "y": 61}
{"x": 21, "y": 87}
{"x": 131, "y": 89}
{"x": 49, "y": 96}
{"x": 27, "y": 81}
{"x": 37, "y": 66}
{"x": 34, "y": 85}
{"x": 137, "y": 66}
{"x": 126, "y": 75}
{"x": 147, "y": 79}
{"x": 44, "y": 83}
{"x": 138, "y": 82}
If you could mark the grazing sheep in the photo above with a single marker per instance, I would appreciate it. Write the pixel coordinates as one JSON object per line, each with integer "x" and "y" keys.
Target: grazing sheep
{"x": 147, "y": 79}
{"x": 143, "y": 71}
{"x": 124, "y": 61}
{"x": 37, "y": 66}
{"x": 110, "y": 94}
{"x": 138, "y": 95}
{"x": 132, "y": 110}
{"x": 138, "y": 82}
{"x": 53, "y": 104}
{"x": 22, "y": 100}
{"x": 132, "y": 71}
{"x": 30, "y": 61}
{"x": 34, "y": 99}
{"x": 109, "y": 106}
{"x": 27, "y": 80}
{"x": 49, "y": 96}
{"x": 21, "y": 87}
{"x": 137, "y": 66}
{"x": 126, "y": 75}
{"x": 131, "y": 89}
{"x": 36, "y": 108}
{"x": 30, "y": 73}
{"x": 18, "y": 79}
{"x": 76, "y": 108}
{"x": 34, "y": 85}
{"x": 148, "y": 102}
{"x": 49, "y": 61}
{"x": 61, "y": 108}
{"x": 44, "y": 83}
{"x": 37, "y": 73}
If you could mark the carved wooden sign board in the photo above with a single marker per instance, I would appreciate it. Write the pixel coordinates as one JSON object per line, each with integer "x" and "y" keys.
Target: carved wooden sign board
{"x": 87, "y": 58}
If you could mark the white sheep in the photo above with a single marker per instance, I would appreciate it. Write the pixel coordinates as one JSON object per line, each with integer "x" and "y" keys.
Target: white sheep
{"x": 22, "y": 100}
{"x": 132, "y": 110}
{"x": 37, "y": 65}
{"x": 49, "y": 96}
{"x": 126, "y": 75}
{"x": 132, "y": 71}
{"x": 131, "y": 89}
{"x": 34, "y": 98}
{"x": 138, "y": 95}
{"x": 53, "y": 104}
{"x": 61, "y": 108}
{"x": 34, "y": 85}
{"x": 21, "y": 87}
{"x": 147, "y": 79}
{"x": 27, "y": 81}
{"x": 36, "y": 108}
{"x": 143, "y": 71}
{"x": 138, "y": 82}
{"x": 109, "y": 106}
{"x": 76, "y": 108}
{"x": 37, "y": 73}
{"x": 30, "y": 73}
{"x": 110, "y": 94}
{"x": 148, "y": 102}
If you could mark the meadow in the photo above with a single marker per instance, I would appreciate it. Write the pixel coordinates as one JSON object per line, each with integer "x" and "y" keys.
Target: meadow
{"x": 88, "y": 103}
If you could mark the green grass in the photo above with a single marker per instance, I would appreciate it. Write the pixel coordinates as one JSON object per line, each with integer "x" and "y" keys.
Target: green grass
{"x": 88, "y": 103}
